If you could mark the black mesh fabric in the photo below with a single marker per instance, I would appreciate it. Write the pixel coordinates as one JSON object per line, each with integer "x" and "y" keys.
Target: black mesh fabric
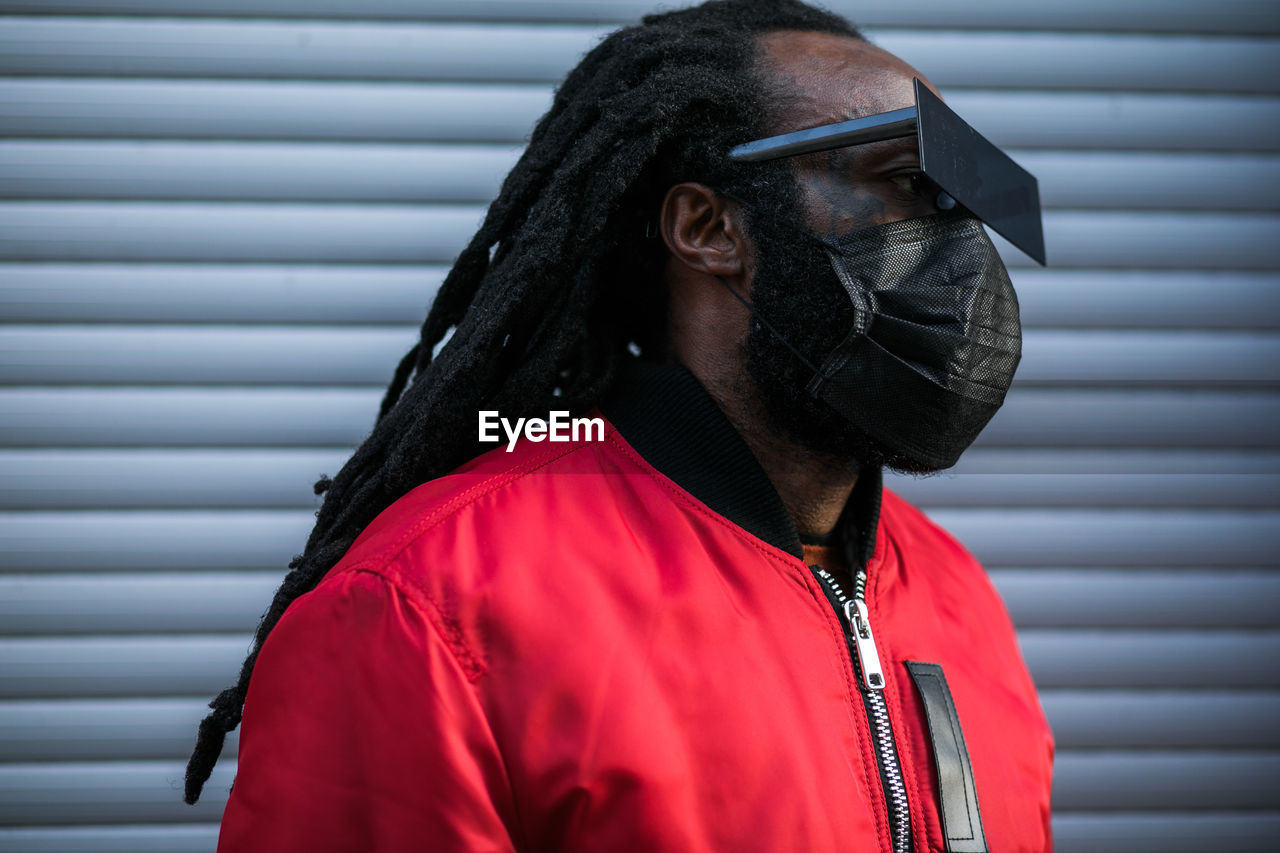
{"x": 937, "y": 337}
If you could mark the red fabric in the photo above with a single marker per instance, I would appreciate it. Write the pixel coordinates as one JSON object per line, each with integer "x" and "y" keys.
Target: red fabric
{"x": 560, "y": 649}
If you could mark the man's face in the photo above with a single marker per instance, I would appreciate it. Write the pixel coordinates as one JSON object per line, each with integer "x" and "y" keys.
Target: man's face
{"x": 822, "y": 79}
{"x": 825, "y": 79}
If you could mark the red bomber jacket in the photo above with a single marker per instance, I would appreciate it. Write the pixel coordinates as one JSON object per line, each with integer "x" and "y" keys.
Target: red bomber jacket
{"x": 614, "y": 645}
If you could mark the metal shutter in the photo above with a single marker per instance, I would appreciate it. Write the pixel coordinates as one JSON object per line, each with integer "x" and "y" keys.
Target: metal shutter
{"x": 222, "y": 219}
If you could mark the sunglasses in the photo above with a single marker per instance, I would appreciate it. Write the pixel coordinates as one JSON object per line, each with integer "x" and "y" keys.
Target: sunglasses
{"x": 961, "y": 161}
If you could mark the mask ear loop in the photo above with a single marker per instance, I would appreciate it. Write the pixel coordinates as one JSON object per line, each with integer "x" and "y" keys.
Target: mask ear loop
{"x": 755, "y": 315}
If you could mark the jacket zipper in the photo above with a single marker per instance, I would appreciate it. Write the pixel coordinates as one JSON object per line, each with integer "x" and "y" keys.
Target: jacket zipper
{"x": 870, "y": 675}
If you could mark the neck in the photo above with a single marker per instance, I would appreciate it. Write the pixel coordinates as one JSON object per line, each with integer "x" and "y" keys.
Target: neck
{"x": 706, "y": 329}
{"x": 814, "y": 487}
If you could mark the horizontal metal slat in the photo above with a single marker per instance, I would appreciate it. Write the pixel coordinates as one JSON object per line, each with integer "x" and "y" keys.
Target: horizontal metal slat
{"x": 392, "y": 295}
{"x": 1096, "y": 462}
{"x": 1133, "y": 719}
{"x": 167, "y": 665}
{"x": 143, "y": 478}
{"x": 99, "y": 355}
{"x": 1142, "y": 299}
{"x": 1113, "y": 538}
{"x": 310, "y": 233}
{"x": 162, "y": 729}
{"x": 321, "y": 171}
{"x": 170, "y": 417}
{"x": 506, "y": 113}
{"x": 1087, "y": 357}
{"x": 1138, "y": 418}
{"x": 1085, "y": 60}
{"x": 1126, "y": 659}
{"x": 101, "y": 603}
{"x": 269, "y": 171}
{"x": 156, "y": 665}
{"x": 217, "y": 602}
{"x": 230, "y": 478}
{"x": 266, "y": 110}
{"x": 1246, "y": 17}
{"x": 235, "y": 231}
{"x": 505, "y": 52}
{"x": 102, "y": 730}
{"x": 1192, "y": 832}
{"x": 1155, "y": 180}
{"x": 1072, "y": 477}
{"x": 1100, "y": 598}
{"x": 1035, "y": 489}
{"x": 297, "y": 356}
{"x": 241, "y": 293}
{"x": 1176, "y": 240}
{"x": 107, "y": 792}
{"x": 1131, "y": 781}
{"x": 256, "y": 170}
{"x": 129, "y": 47}
{"x": 335, "y": 417}
{"x": 162, "y": 838}
{"x": 229, "y": 540}
{"x": 194, "y": 355}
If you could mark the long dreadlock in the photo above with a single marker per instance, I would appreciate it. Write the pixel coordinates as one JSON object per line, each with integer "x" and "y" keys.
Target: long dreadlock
{"x": 560, "y": 278}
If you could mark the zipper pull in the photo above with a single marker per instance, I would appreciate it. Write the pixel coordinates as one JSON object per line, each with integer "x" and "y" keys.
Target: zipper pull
{"x": 855, "y": 611}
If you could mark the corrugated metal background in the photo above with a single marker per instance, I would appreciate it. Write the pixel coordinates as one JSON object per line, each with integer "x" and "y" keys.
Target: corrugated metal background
{"x": 222, "y": 219}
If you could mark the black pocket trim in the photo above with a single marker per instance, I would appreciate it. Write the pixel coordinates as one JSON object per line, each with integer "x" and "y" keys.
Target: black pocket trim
{"x": 961, "y": 819}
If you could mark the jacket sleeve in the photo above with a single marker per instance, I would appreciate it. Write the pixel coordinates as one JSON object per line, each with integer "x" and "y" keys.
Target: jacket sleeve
{"x": 361, "y": 732}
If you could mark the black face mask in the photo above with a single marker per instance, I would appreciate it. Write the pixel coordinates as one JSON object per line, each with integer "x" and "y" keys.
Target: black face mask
{"x": 936, "y": 336}
{"x": 916, "y": 358}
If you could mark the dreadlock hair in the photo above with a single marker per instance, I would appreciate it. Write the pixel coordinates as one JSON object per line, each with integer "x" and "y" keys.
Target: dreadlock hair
{"x": 560, "y": 279}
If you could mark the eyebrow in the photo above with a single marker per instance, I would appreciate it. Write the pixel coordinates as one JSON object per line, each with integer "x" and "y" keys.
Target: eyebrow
{"x": 873, "y": 156}
{"x": 893, "y": 148}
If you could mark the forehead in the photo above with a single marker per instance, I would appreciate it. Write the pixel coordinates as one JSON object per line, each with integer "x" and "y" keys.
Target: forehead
{"x": 823, "y": 78}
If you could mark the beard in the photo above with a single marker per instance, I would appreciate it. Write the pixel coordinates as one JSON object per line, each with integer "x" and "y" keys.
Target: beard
{"x": 795, "y": 289}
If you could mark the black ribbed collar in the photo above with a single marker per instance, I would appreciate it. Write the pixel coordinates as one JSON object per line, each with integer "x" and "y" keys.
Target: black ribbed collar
{"x": 669, "y": 419}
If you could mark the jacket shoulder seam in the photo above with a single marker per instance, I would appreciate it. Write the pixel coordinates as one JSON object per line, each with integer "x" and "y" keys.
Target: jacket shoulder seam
{"x": 469, "y": 496}
{"x": 381, "y": 563}
{"x": 470, "y": 665}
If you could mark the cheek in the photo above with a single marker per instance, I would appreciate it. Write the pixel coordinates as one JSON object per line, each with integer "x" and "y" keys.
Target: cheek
{"x": 800, "y": 295}
{"x": 837, "y": 207}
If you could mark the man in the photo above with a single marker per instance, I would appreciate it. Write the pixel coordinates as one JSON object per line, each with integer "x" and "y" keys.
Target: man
{"x": 705, "y": 628}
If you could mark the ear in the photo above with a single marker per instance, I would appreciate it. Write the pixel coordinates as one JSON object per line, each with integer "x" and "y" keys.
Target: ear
{"x": 704, "y": 230}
